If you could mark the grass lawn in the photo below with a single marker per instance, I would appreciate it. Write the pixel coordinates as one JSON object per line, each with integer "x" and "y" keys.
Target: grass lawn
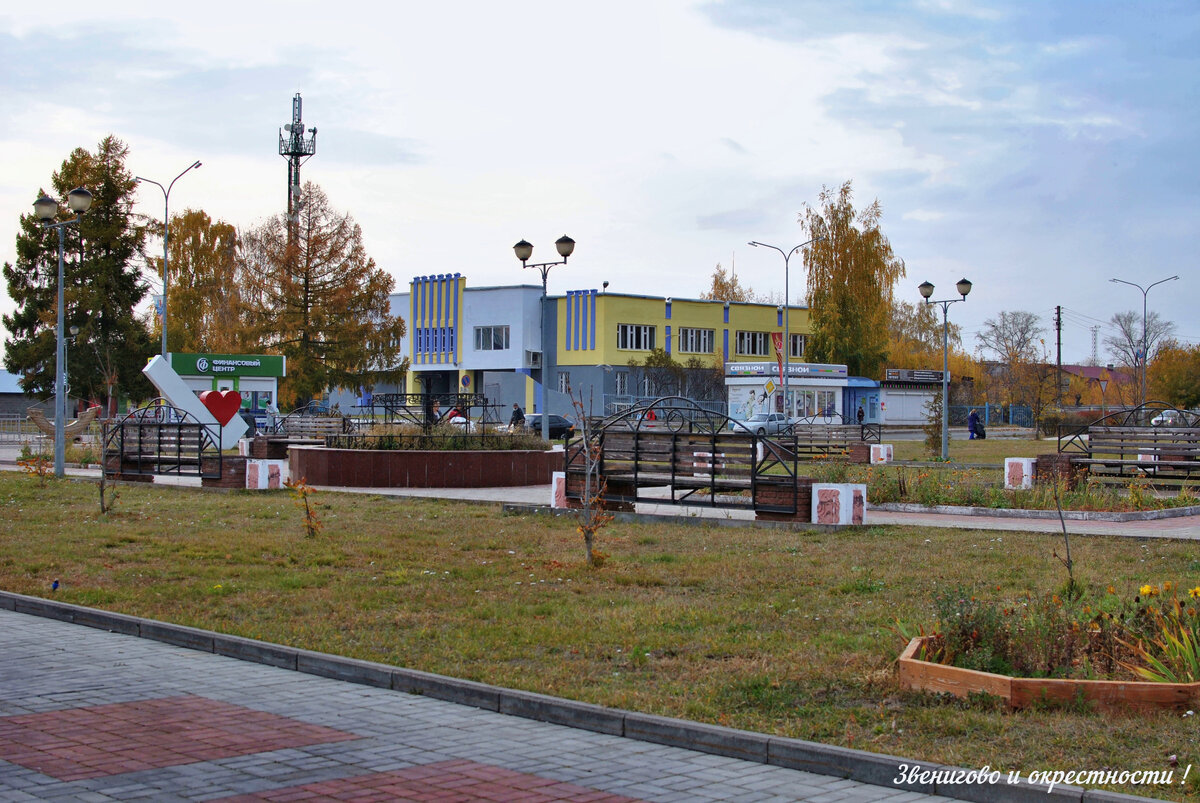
{"x": 989, "y": 450}
{"x": 780, "y": 632}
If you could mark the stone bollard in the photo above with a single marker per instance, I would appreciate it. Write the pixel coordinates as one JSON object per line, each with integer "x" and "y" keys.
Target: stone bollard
{"x": 839, "y": 503}
{"x": 1018, "y": 473}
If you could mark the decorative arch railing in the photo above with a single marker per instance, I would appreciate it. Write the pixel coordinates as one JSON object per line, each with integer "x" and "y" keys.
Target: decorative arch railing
{"x": 161, "y": 439}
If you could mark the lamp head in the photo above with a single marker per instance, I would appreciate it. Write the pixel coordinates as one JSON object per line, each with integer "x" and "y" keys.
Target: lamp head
{"x": 523, "y": 250}
{"x": 565, "y": 246}
{"x": 46, "y": 208}
{"x": 963, "y": 287}
{"x": 926, "y": 290}
{"x": 80, "y": 200}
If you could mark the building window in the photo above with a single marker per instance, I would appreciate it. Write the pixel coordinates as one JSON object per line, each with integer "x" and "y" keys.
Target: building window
{"x": 564, "y": 382}
{"x": 695, "y": 341}
{"x": 635, "y": 337}
{"x": 753, "y": 344}
{"x": 622, "y": 383}
{"x": 491, "y": 338}
{"x": 796, "y": 345}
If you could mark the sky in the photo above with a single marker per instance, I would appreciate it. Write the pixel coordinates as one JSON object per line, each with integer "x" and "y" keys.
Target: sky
{"x": 1038, "y": 149}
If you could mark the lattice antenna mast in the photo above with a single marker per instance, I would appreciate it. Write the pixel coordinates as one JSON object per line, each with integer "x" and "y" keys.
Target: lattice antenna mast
{"x": 295, "y": 147}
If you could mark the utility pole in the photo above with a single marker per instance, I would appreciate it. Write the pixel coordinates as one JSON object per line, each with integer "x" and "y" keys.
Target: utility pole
{"x": 294, "y": 147}
{"x": 1058, "y": 337}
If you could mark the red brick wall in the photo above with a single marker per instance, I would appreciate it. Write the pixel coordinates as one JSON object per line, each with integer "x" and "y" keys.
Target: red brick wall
{"x": 360, "y": 468}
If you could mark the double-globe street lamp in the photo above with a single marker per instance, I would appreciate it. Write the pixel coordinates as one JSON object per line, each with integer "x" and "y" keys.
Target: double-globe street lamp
{"x": 787, "y": 308}
{"x": 524, "y": 250}
{"x": 926, "y": 289}
{"x": 79, "y": 200}
{"x": 166, "y": 236}
{"x": 1145, "y": 351}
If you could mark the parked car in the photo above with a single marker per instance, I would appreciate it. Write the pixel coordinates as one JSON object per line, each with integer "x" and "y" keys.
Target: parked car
{"x": 1168, "y": 418}
{"x": 761, "y": 424}
{"x": 560, "y": 427}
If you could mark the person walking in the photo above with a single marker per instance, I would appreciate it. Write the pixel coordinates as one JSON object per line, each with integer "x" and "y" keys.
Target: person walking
{"x": 518, "y": 417}
{"x": 972, "y": 424}
{"x": 861, "y": 414}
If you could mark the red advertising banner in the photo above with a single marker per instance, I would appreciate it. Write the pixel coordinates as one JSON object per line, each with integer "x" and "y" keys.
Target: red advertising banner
{"x": 777, "y": 342}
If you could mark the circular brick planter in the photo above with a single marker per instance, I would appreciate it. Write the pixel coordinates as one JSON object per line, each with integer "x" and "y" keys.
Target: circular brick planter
{"x": 364, "y": 468}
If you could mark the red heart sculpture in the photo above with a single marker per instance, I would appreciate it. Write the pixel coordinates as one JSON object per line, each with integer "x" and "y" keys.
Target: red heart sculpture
{"x": 223, "y": 404}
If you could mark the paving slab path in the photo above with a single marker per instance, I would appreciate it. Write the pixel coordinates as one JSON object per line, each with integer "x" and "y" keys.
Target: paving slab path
{"x": 90, "y": 715}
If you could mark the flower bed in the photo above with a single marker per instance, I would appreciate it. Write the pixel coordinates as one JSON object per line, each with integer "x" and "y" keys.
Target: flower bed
{"x": 984, "y": 488}
{"x": 1104, "y": 649}
{"x": 1019, "y": 692}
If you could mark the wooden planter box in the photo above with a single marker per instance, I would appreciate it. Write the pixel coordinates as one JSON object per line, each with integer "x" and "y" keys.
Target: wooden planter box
{"x": 1104, "y": 695}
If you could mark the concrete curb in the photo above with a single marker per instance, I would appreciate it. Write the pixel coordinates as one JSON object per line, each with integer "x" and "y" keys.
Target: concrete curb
{"x": 1012, "y": 513}
{"x": 842, "y": 762}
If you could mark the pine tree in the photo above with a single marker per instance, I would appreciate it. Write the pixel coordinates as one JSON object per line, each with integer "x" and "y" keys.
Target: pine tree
{"x": 102, "y": 285}
{"x": 319, "y": 299}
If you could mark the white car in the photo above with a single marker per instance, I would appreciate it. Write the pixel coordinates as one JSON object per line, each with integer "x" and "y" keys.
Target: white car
{"x": 761, "y": 424}
{"x": 1168, "y": 418}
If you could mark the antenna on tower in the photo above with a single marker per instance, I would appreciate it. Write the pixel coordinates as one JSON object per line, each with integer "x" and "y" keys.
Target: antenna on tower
{"x": 1095, "y": 331}
{"x": 294, "y": 146}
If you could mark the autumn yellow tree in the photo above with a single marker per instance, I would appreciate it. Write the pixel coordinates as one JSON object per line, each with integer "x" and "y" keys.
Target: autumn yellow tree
{"x": 317, "y": 298}
{"x": 205, "y": 310}
{"x": 1174, "y": 375}
{"x": 725, "y": 286}
{"x": 851, "y": 274}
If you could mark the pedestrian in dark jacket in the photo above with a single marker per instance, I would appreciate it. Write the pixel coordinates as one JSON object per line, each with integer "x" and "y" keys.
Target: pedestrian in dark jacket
{"x": 972, "y": 425}
{"x": 518, "y": 418}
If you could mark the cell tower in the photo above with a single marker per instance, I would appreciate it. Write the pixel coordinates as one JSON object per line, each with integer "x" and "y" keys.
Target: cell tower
{"x": 1095, "y": 355}
{"x": 294, "y": 147}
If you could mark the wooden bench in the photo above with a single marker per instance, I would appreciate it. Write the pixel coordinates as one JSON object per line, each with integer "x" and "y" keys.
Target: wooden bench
{"x": 1127, "y": 452}
{"x": 314, "y": 426}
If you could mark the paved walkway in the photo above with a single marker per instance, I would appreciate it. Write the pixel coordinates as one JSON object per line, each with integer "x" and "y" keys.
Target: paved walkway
{"x": 88, "y": 715}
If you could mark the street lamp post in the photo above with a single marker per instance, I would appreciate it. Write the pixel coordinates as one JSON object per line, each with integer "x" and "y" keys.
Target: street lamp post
{"x": 787, "y": 308}
{"x": 926, "y": 289}
{"x": 166, "y": 235}
{"x": 524, "y": 250}
{"x": 79, "y": 200}
{"x": 1145, "y": 349}
{"x": 74, "y": 330}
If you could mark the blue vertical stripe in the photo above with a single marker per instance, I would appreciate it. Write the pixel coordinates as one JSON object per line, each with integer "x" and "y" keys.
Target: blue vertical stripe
{"x": 593, "y": 332}
{"x": 779, "y": 317}
{"x": 581, "y": 297}
{"x": 726, "y": 314}
{"x": 455, "y": 322}
{"x": 668, "y": 339}
{"x": 567, "y": 323}
{"x": 577, "y": 329}
{"x": 726, "y": 347}
{"x": 668, "y": 310}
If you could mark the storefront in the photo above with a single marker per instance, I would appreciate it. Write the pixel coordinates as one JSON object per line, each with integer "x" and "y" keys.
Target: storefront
{"x": 814, "y": 390}
{"x": 255, "y": 376}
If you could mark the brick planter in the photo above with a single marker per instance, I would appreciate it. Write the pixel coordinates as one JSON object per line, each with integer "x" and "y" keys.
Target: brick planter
{"x": 1057, "y": 466}
{"x": 233, "y": 472}
{"x": 780, "y": 495}
{"x": 367, "y": 468}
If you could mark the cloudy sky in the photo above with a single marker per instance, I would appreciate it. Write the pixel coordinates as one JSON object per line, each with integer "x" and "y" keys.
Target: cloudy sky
{"x": 1038, "y": 149}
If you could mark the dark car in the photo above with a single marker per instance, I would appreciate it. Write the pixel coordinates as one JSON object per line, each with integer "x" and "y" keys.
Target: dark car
{"x": 560, "y": 427}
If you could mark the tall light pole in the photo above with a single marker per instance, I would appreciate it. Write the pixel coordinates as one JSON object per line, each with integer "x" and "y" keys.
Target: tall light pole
{"x": 1145, "y": 345}
{"x": 524, "y": 250}
{"x": 166, "y": 235}
{"x": 74, "y": 330}
{"x": 787, "y": 308}
{"x": 926, "y": 289}
{"x": 79, "y": 200}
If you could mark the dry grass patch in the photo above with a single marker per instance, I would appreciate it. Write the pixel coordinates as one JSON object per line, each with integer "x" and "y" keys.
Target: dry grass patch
{"x": 780, "y": 632}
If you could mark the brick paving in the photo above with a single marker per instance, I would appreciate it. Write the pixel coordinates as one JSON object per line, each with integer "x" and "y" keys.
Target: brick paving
{"x": 88, "y": 715}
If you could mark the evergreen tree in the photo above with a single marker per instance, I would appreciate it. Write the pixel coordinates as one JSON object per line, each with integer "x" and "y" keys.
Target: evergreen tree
{"x": 317, "y": 298}
{"x": 102, "y": 285}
